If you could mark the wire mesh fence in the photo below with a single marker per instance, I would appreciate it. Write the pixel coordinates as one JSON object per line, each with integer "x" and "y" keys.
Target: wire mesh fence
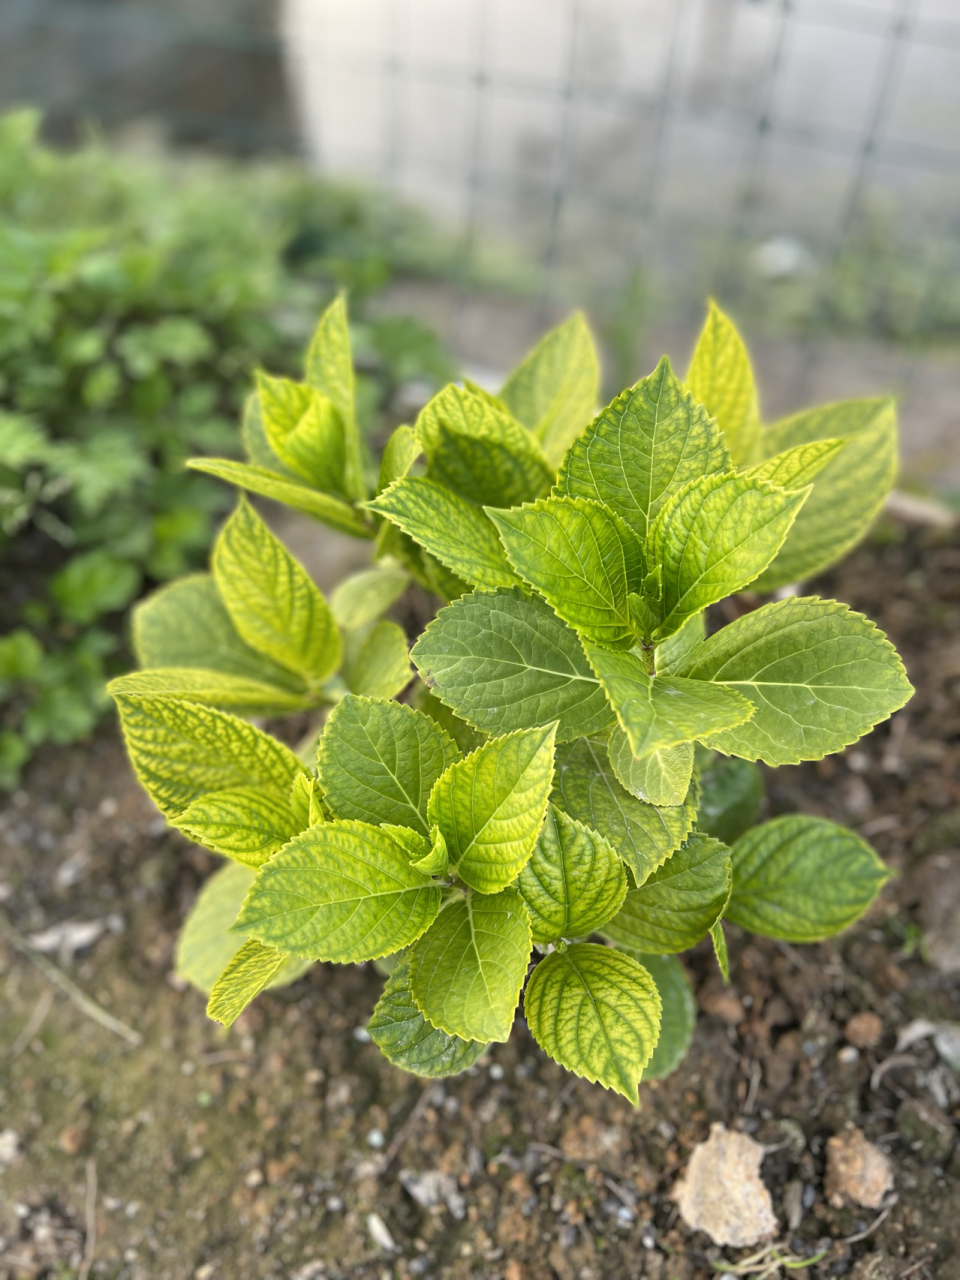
{"x": 798, "y": 158}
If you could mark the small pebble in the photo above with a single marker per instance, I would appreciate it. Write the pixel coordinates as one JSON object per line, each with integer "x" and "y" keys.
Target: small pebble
{"x": 362, "y": 1035}
{"x": 9, "y": 1146}
{"x": 380, "y": 1233}
{"x": 496, "y": 1071}
{"x": 864, "y": 1030}
{"x": 254, "y": 1178}
{"x": 857, "y": 1171}
{"x": 334, "y": 1204}
{"x": 375, "y": 1138}
{"x": 72, "y": 1139}
{"x": 848, "y": 1055}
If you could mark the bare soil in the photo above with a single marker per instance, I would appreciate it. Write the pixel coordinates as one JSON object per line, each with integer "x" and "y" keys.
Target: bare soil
{"x": 254, "y": 1153}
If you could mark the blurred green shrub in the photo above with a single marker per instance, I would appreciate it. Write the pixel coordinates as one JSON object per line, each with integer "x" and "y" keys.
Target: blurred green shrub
{"x": 136, "y": 298}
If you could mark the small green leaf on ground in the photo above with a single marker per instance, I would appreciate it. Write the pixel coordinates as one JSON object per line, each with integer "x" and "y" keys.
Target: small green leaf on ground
{"x": 595, "y": 1011}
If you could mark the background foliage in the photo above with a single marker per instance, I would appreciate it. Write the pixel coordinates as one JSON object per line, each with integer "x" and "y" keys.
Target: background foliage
{"x": 136, "y": 299}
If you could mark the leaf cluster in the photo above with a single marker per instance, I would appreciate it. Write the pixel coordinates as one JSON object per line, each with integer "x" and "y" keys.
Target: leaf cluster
{"x": 136, "y": 299}
{"x": 570, "y": 781}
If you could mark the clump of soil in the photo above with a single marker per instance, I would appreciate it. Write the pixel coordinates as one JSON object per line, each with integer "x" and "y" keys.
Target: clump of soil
{"x": 276, "y": 1149}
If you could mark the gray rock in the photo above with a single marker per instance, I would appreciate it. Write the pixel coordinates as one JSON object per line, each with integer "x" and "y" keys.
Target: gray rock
{"x": 432, "y": 1188}
{"x": 926, "y": 1129}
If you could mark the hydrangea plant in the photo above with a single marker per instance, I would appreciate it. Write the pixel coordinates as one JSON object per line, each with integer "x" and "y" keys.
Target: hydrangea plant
{"x": 561, "y": 798}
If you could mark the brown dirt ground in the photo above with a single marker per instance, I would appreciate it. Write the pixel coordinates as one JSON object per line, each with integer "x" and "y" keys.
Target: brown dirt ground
{"x": 238, "y": 1155}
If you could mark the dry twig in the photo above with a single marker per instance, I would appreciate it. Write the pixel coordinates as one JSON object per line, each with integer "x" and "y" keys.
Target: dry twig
{"x": 90, "y": 1244}
{"x": 55, "y": 975}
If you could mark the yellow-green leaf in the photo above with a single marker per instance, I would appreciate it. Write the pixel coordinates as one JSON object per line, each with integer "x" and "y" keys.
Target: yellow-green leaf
{"x": 182, "y": 751}
{"x": 273, "y": 602}
{"x": 405, "y": 1038}
{"x": 642, "y": 834}
{"x": 503, "y": 660}
{"x": 399, "y": 454}
{"x": 721, "y": 378}
{"x": 819, "y": 675}
{"x": 661, "y": 777}
{"x": 796, "y": 468}
{"x": 595, "y": 1011}
{"x": 802, "y": 879}
{"x": 207, "y": 943}
{"x": 185, "y": 624}
{"x": 643, "y": 447}
{"x": 379, "y": 761}
{"x": 475, "y": 447}
{"x": 212, "y": 689}
{"x": 554, "y": 390}
{"x": 679, "y": 903}
{"x": 329, "y": 368}
{"x": 250, "y": 971}
{"x": 376, "y": 663}
{"x": 364, "y": 596}
{"x": 663, "y": 711}
{"x": 340, "y": 891}
{"x": 245, "y": 823}
{"x": 490, "y": 806}
{"x": 304, "y": 430}
{"x": 580, "y": 558}
{"x": 573, "y": 883}
{"x": 846, "y": 495}
{"x": 270, "y": 484}
{"x": 467, "y": 970}
{"x": 450, "y": 528}
{"x": 715, "y": 536}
